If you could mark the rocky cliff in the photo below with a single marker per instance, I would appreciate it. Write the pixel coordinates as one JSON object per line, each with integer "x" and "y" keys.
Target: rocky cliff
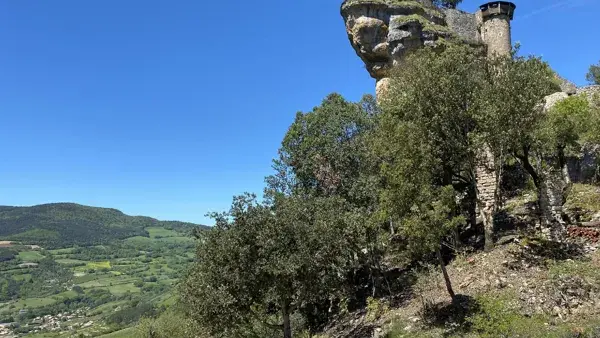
{"x": 382, "y": 32}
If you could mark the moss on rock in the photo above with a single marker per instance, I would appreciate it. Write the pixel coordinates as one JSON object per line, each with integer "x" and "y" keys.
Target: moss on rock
{"x": 427, "y": 26}
{"x": 390, "y": 3}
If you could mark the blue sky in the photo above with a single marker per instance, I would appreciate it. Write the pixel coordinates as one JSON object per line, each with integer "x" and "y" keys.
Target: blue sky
{"x": 169, "y": 108}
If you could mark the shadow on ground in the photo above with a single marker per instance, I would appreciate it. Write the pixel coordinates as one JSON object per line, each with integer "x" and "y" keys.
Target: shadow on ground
{"x": 451, "y": 316}
{"x": 536, "y": 251}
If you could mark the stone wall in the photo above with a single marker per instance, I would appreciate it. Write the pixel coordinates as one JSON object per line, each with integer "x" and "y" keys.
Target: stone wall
{"x": 464, "y": 25}
{"x": 487, "y": 184}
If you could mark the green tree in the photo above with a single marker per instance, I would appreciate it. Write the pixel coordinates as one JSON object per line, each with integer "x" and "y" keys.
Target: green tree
{"x": 447, "y": 3}
{"x": 261, "y": 263}
{"x": 508, "y": 111}
{"x": 561, "y": 130}
{"x": 173, "y": 323}
{"x": 424, "y": 142}
{"x": 593, "y": 76}
{"x": 325, "y": 151}
{"x": 514, "y": 121}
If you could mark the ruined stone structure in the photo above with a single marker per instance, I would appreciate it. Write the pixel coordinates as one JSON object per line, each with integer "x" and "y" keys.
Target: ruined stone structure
{"x": 494, "y": 27}
{"x": 558, "y": 177}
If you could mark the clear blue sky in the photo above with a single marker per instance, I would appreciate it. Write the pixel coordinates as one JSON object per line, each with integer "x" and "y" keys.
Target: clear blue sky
{"x": 169, "y": 108}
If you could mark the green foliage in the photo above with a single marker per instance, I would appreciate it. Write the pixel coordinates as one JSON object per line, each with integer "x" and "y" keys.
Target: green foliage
{"x": 508, "y": 116}
{"x": 376, "y": 308}
{"x": 132, "y": 314}
{"x": 325, "y": 151}
{"x": 409, "y": 4}
{"x": 169, "y": 324}
{"x": 565, "y": 124}
{"x": 7, "y": 254}
{"x": 261, "y": 261}
{"x": 499, "y": 316}
{"x": 593, "y": 76}
{"x": 447, "y": 3}
{"x": 424, "y": 140}
{"x": 585, "y": 199}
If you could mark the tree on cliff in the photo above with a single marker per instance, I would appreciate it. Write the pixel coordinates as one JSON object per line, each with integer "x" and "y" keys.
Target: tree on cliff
{"x": 326, "y": 150}
{"x": 593, "y": 76}
{"x": 261, "y": 263}
{"x": 562, "y": 129}
{"x": 424, "y": 143}
{"x": 447, "y": 3}
{"x": 510, "y": 108}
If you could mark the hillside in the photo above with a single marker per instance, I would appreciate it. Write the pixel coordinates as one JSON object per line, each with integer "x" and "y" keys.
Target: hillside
{"x": 66, "y": 224}
{"x": 71, "y": 270}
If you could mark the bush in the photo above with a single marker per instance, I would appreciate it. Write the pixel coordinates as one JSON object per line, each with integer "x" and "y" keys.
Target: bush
{"x": 447, "y": 3}
{"x": 132, "y": 315}
{"x": 170, "y": 324}
{"x": 376, "y": 308}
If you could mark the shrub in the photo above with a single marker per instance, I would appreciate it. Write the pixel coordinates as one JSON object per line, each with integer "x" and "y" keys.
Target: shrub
{"x": 376, "y": 308}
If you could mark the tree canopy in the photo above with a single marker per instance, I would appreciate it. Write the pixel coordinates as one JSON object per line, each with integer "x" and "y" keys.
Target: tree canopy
{"x": 447, "y": 3}
{"x": 593, "y": 76}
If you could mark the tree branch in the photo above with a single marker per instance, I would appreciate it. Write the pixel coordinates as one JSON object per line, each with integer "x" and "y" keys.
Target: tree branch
{"x": 524, "y": 159}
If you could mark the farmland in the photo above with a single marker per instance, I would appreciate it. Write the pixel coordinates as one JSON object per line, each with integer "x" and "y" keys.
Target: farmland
{"x": 96, "y": 290}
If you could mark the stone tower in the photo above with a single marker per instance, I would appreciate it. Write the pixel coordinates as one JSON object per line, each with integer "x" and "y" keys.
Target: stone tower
{"x": 495, "y": 26}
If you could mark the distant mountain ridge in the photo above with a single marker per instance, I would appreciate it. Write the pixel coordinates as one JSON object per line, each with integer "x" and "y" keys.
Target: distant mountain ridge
{"x": 67, "y": 224}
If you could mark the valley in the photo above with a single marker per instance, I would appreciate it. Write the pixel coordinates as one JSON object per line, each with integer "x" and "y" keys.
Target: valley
{"x": 80, "y": 290}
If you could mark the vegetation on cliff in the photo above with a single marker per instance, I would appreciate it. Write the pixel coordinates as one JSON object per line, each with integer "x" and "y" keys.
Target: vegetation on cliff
{"x": 593, "y": 76}
{"x": 361, "y": 192}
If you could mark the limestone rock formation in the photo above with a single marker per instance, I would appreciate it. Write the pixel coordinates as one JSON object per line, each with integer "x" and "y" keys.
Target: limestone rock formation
{"x": 558, "y": 180}
{"x": 383, "y": 31}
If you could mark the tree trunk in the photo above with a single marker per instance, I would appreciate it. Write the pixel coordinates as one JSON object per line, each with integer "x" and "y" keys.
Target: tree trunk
{"x": 487, "y": 195}
{"x": 445, "y": 273}
{"x": 287, "y": 326}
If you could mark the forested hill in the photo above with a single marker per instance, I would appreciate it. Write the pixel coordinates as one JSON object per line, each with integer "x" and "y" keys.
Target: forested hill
{"x": 68, "y": 224}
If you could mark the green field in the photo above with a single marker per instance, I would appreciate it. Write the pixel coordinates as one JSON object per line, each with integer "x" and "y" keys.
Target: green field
{"x": 70, "y": 262}
{"x": 126, "y": 333}
{"x": 107, "y": 279}
{"x": 96, "y": 270}
{"x": 98, "y": 265}
{"x": 155, "y": 232}
{"x": 139, "y": 240}
{"x": 30, "y": 256}
{"x": 61, "y": 251}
